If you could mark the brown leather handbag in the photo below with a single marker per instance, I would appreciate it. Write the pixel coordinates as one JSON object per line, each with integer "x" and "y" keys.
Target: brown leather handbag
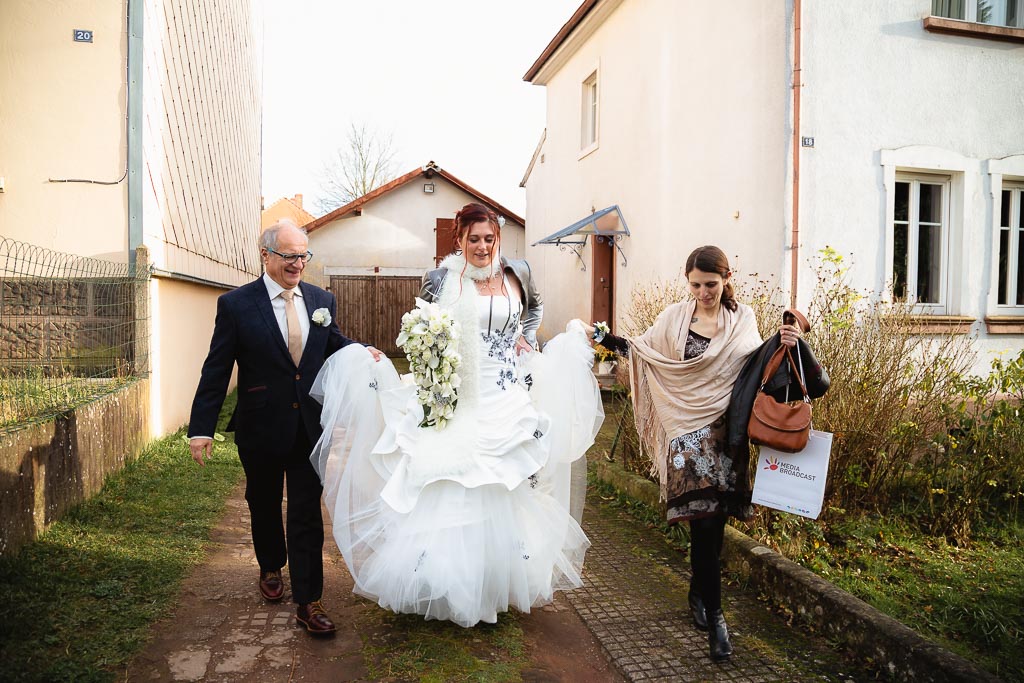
{"x": 783, "y": 426}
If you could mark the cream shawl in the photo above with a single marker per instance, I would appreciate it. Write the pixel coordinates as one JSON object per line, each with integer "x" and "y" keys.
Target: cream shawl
{"x": 672, "y": 396}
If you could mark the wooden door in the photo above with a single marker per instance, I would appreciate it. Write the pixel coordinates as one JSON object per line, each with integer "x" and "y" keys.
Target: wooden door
{"x": 602, "y": 290}
{"x": 395, "y": 296}
{"x": 370, "y": 307}
{"x": 444, "y": 236}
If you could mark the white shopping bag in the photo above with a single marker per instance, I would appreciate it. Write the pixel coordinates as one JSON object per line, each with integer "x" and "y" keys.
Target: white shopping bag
{"x": 794, "y": 482}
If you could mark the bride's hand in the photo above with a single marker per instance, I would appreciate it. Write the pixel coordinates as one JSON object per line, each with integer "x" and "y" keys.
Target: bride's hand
{"x": 523, "y": 346}
{"x": 588, "y": 328}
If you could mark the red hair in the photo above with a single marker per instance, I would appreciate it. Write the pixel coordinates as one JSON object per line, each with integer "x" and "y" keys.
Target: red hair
{"x": 466, "y": 218}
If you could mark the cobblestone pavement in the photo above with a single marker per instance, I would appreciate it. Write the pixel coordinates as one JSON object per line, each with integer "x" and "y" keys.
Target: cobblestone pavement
{"x": 221, "y": 630}
{"x": 634, "y": 602}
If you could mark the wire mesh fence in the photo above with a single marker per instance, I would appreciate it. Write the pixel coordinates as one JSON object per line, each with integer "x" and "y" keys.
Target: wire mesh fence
{"x": 72, "y": 329}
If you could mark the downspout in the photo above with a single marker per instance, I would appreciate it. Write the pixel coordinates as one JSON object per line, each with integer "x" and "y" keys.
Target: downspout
{"x": 134, "y": 156}
{"x": 794, "y": 246}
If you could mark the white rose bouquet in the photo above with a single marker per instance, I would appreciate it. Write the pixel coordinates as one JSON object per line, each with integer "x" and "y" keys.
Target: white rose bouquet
{"x": 429, "y": 337}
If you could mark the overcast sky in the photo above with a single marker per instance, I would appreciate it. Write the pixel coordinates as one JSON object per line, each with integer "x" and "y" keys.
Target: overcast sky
{"x": 443, "y": 77}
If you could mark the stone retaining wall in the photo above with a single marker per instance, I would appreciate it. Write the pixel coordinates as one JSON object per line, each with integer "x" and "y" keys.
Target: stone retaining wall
{"x": 872, "y": 636}
{"x": 48, "y": 467}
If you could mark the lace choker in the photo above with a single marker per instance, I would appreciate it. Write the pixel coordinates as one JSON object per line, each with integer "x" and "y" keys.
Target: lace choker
{"x": 456, "y": 263}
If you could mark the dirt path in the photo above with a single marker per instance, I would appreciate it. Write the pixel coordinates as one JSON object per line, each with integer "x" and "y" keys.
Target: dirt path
{"x": 222, "y": 630}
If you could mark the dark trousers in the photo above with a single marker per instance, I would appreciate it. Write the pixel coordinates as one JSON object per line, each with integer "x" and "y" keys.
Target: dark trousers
{"x": 706, "y": 536}
{"x": 265, "y": 478}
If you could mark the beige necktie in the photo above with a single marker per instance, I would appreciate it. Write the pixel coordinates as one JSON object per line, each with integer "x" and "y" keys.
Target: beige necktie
{"x": 294, "y": 331}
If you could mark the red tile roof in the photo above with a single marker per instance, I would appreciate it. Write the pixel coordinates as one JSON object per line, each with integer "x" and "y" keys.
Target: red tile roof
{"x": 427, "y": 171}
{"x": 560, "y": 38}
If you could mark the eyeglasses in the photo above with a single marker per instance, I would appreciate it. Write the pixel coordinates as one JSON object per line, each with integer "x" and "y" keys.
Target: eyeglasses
{"x": 293, "y": 258}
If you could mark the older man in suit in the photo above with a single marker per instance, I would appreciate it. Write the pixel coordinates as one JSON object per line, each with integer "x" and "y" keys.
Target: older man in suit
{"x": 279, "y": 330}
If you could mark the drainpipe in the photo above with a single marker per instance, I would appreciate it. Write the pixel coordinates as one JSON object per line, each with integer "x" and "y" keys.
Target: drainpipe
{"x": 794, "y": 246}
{"x": 134, "y": 157}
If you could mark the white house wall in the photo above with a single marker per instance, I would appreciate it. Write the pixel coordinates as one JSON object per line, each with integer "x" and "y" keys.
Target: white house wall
{"x": 395, "y": 231}
{"x": 691, "y": 145}
{"x": 882, "y": 94}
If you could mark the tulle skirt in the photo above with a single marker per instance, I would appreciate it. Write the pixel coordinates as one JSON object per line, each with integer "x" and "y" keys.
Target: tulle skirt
{"x": 463, "y": 523}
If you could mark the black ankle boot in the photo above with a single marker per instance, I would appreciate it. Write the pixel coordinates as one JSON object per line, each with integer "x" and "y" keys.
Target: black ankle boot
{"x": 718, "y": 636}
{"x": 700, "y": 617}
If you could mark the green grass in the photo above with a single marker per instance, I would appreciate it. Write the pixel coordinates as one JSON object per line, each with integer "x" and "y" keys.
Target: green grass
{"x": 78, "y": 602}
{"x": 407, "y": 648}
{"x": 970, "y": 599}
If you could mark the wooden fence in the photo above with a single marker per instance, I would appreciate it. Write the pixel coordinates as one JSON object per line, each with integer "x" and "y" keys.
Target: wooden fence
{"x": 370, "y": 307}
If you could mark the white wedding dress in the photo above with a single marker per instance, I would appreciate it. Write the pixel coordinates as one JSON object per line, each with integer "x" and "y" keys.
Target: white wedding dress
{"x": 460, "y": 524}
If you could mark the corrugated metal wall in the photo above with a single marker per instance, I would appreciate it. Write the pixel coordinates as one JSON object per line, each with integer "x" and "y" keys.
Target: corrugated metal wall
{"x": 202, "y": 127}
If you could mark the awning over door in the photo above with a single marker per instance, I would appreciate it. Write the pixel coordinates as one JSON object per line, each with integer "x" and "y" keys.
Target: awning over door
{"x": 607, "y": 224}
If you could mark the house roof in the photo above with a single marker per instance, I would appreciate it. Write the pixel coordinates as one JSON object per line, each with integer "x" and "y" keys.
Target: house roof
{"x": 290, "y": 208}
{"x": 428, "y": 171}
{"x": 560, "y": 37}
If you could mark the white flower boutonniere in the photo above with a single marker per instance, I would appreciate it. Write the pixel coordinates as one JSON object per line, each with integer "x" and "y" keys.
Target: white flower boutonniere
{"x": 430, "y": 337}
{"x": 600, "y": 330}
{"x": 322, "y": 317}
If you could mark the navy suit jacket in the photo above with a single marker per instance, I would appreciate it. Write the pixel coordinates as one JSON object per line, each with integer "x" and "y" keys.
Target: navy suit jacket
{"x": 273, "y": 394}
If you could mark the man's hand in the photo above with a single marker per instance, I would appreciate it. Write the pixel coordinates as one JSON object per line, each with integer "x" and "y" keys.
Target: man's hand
{"x": 199, "y": 447}
{"x": 376, "y": 353}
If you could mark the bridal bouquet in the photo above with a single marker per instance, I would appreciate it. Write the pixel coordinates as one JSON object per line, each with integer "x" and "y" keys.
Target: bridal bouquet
{"x": 429, "y": 337}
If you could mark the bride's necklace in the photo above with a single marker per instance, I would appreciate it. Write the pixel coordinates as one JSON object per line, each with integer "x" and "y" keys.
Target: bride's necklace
{"x": 489, "y": 285}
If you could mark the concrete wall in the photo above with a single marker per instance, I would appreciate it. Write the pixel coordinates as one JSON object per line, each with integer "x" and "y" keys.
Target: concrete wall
{"x": 181, "y": 327}
{"x": 881, "y": 95}
{"x": 691, "y": 144}
{"x": 63, "y": 108}
{"x": 49, "y": 467}
{"x": 396, "y": 231}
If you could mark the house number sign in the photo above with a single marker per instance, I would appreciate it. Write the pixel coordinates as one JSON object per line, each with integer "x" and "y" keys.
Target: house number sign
{"x": 83, "y": 35}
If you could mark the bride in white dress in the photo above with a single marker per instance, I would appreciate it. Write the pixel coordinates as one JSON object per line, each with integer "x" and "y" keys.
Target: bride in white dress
{"x": 464, "y": 522}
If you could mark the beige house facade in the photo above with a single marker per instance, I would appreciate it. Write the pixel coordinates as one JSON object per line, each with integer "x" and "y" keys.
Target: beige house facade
{"x": 373, "y": 252}
{"x": 394, "y": 229}
{"x": 775, "y": 130}
{"x": 137, "y": 124}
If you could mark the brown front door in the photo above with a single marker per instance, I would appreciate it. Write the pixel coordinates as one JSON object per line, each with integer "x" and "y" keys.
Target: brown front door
{"x": 603, "y": 267}
{"x": 445, "y": 238}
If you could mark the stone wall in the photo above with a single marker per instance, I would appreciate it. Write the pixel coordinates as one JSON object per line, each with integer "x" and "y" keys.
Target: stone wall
{"x": 48, "y": 467}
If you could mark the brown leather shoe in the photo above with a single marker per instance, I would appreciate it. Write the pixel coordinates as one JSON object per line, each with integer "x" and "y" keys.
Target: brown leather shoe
{"x": 271, "y": 586}
{"x": 315, "y": 619}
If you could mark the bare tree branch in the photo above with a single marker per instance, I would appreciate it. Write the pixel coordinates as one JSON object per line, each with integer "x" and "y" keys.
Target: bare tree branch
{"x": 365, "y": 162}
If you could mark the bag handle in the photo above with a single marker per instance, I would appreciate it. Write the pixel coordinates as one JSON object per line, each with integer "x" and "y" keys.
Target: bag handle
{"x": 773, "y": 366}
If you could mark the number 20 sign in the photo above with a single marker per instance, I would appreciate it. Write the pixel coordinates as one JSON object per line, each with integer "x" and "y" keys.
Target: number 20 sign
{"x": 83, "y": 35}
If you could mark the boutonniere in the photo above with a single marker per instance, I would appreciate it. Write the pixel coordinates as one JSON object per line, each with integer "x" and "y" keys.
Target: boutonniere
{"x": 322, "y": 317}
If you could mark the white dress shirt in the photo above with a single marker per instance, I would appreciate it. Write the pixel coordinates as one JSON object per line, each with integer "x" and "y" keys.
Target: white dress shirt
{"x": 277, "y": 303}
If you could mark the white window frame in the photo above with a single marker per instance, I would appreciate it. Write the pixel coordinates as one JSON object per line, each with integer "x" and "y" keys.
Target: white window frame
{"x": 1016, "y": 236}
{"x": 590, "y": 112}
{"x": 971, "y": 14}
{"x": 964, "y": 177}
{"x": 915, "y": 181}
{"x": 1006, "y": 172}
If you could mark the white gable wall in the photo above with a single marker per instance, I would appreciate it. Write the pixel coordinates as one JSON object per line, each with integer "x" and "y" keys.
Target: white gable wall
{"x": 881, "y": 94}
{"x": 693, "y": 105}
{"x": 396, "y": 231}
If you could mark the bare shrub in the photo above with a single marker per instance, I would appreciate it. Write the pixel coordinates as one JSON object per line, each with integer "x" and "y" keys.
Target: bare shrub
{"x": 887, "y": 384}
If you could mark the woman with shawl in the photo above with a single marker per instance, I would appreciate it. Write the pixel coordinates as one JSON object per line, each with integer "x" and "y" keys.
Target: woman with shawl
{"x": 682, "y": 372}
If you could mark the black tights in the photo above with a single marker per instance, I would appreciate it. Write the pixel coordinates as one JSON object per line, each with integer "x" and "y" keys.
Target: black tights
{"x": 706, "y": 536}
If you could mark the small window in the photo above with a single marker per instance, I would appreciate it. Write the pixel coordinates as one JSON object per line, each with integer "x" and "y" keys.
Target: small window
{"x": 920, "y": 241}
{"x": 1010, "y": 287}
{"x": 991, "y": 12}
{"x": 588, "y": 137}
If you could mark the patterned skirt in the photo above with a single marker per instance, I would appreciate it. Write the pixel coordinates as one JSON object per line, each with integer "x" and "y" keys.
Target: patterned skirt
{"x": 704, "y": 478}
